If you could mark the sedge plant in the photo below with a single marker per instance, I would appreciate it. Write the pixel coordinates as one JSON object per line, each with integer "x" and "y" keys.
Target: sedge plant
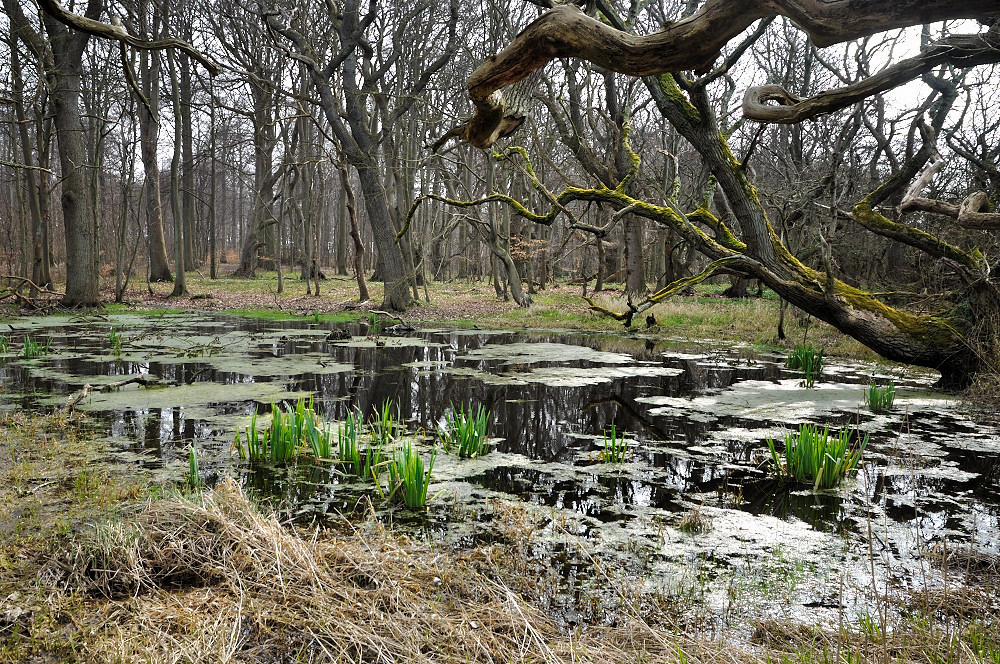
{"x": 408, "y": 480}
{"x": 385, "y": 422}
{"x": 115, "y": 341}
{"x": 464, "y": 432}
{"x": 880, "y": 399}
{"x": 808, "y": 360}
{"x": 814, "y": 456}
{"x": 293, "y": 431}
{"x": 615, "y": 446}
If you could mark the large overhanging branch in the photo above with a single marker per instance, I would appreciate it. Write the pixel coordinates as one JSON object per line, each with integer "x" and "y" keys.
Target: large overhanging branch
{"x": 960, "y": 50}
{"x": 693, "y": 43}
{"x": 118, "y": 33}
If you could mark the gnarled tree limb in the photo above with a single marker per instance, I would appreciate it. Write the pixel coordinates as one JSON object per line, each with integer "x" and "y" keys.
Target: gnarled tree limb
{"x": 959, "y": 50}
{"x": 974, "y": 212}
{"x": 692, "y": 43}
{"x": 116, "y": 32}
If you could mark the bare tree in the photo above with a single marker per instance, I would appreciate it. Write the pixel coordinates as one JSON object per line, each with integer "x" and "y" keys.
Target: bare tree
{"x": 366, "y": 108}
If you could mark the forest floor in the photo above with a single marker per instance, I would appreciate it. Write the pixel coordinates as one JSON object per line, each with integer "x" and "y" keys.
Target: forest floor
{"x": 98, "y": 564}
{"x": 703, "y": 315}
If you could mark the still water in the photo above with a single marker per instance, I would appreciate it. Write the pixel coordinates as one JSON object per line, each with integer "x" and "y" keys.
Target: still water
{"x": 696, "y": 418}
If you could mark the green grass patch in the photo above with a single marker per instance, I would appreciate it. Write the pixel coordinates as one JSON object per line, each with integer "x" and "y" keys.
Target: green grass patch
{"x": 464, "y": 431}
{"x": 813, "y": 456}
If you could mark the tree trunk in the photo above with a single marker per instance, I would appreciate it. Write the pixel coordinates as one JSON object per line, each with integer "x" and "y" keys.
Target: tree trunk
{"x": 359, "y": 247}
{"x": 64, "y": 80}
{"x": 149, "y": 131}
{"x": 397, "y": 292}
{"x": 180, "y": 281}
{"x": 191, "y": 259}
{"x": 39, "y": 224}
{"x": 342, "y": 234}
{"x": 635, "y": 273}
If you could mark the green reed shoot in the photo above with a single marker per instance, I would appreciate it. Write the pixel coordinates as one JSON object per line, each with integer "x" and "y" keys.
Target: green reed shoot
{"x": 115, "y": 341}
{"x": 385, "y": 422}
{"x": 374, "y": 324}
{"x": 615, "y": 446}
{"x": 364, "y": 464}
{"x": 293, "y": 431}
{"x": 813, "y": 456}
{"x": 4, "y": 344}
{"x": 808, "y": 360}
{"x": 408, "y": 481}
{"x": 880, "y": 399}
{"x": 33, "y": 348}
{"x": 193, "y": 477}
{"x": 465, "y": 431}
{"x": 347, "y": 439}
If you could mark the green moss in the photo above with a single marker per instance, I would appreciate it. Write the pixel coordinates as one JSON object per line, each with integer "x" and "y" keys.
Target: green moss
{"x": 279, "y": 315}
{"x": 676, "y": 96}
{"x": 930, "y": 330}
{"x": 723, "y": 234}
{"x": 866, "y": 215}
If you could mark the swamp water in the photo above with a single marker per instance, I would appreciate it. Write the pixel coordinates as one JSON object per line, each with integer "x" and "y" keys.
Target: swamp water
{"x": 695, "y": 418}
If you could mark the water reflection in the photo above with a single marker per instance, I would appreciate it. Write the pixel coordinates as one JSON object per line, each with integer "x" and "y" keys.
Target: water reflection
{"x": 549, "y": 410}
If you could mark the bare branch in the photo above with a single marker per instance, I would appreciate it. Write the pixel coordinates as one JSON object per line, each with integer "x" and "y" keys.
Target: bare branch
{"x": 118, "y": 33}
{"x": 692, "y": 43}
{"x": 959, "y": 50}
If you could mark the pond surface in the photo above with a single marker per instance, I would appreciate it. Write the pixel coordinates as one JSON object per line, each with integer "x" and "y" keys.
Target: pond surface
{"x": 696, "y": 419}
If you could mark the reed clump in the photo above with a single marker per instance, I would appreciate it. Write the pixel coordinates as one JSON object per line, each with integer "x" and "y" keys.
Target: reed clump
{"x": 464, "y": 432}
{"x": 408, "y": 481}
{"x": 817, "y": 457}
{"x": 808, "y": 360}
{"x": 291, "y": 432}
{"x": 33, "y": 348}
{"x": 615, "y": 447}
{"x": 880, "y": 399}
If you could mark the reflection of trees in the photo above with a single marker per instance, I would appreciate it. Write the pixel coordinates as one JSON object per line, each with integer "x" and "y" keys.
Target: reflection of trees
{"x": 823, "y": 511}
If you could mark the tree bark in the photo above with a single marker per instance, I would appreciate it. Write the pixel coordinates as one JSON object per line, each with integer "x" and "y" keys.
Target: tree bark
{"x": 149, "y": 131}
{"x": 40, "y": 275}
{"x": 359, "y": 247}
{"x": 64, "y": 81}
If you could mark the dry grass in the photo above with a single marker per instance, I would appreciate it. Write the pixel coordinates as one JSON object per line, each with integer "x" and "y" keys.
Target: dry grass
{"x": 211, "y": 579}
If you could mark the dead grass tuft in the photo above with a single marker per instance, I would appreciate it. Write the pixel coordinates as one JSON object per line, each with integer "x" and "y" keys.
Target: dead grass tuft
{"x": 213, "y": 579}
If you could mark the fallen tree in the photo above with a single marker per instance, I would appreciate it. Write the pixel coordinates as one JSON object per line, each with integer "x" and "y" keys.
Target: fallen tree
{"x": 959, "y": 339}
